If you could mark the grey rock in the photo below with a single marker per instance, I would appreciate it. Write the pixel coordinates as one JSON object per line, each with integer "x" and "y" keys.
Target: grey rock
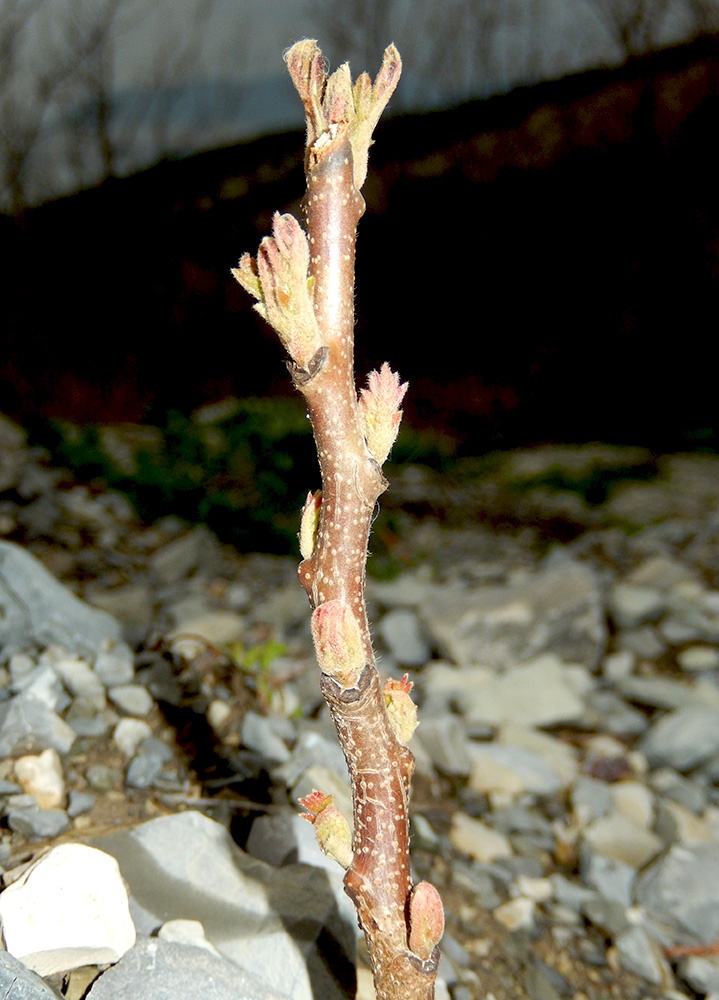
{"x": 114, "y": 666}
{"x": 271, "y": 922}
{"x": 613, "y": 879}
{"x": 557, "y": 609}
{"x": 644, "y": 642}
{"x": 675, "y": 787}
{"x": 702, "y": 974}
{"x": 606, "y": 914}
{"x": 28, "y": 725}
{"x": 639, "y": 954}
{"x": 662, "y": 692}
{"x": 79, "y": 803}
{"x": 178, "y": 558}
{"x": 311, "y": 748}
{"x": 17, "y": 982}
{"x": 102, "y": 778}
{"x": 162, "y": 970}
{"x": 153, "y": 747}
{"x": 682, "y": 888}
{"x": 38, "y": 824}
{"x": 143, "y": 771}
{"x": 402, "y": 635}
{"x": 444, "y": 740}
{"x": 631, "y": 605}
{"x": 37, "y": 610}
{"x": 286, "y": 838}
{"x": 258, "y": 735}
{"x": 131, "y": 605}
{"x": 571, "y": 894}
{"x": 609, "y": 713}
{"x": 590, "y": 799}
{"x": 683, "y": 738}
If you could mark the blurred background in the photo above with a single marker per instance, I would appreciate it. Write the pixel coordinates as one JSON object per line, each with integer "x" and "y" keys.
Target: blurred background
{"x": 540, "y": 251}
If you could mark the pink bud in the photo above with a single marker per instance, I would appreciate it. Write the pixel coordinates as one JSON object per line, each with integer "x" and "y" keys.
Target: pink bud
{"x": 338, "y": 642}
{"x": 379, "y": 410}
{"x": 426, "y": 919}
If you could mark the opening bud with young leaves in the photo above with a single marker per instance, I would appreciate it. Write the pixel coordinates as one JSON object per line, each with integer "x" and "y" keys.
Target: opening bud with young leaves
{"x": 379, "y": 411}
{"x": 331, "y": 828}
{"x": 333, "y": 100}
{"x": 401, "y": 710}
{"x": 279, "y": 280}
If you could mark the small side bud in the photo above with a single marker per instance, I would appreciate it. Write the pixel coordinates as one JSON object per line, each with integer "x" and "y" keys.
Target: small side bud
{"x": 331, "y": 828}
{"x": 338, "y": 642}
{"x": 379, "y": 411}
{"x": 401, "y": 710}
{"x": 426, "y": 920}
{"x": 309, "y": 523}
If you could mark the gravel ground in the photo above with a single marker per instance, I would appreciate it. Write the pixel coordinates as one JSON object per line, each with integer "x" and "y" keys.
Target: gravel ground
{"x": 566, "y": 661}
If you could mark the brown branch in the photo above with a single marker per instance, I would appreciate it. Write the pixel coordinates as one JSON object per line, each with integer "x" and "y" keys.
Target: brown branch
{"x": 305, "y": 287}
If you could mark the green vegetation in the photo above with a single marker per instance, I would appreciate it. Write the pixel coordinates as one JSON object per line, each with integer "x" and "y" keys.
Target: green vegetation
{"x": 239, "y": 467}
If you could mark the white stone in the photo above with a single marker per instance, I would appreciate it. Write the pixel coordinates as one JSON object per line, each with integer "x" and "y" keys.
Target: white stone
{"x": 538, "y": 889}
{"x": 543, "y": 692}
{"x": 42, "y": 777}
{"x": 632, "y": 605}
{"x": 218, "y": 712}
{"x": 134, "y": 699}
{"x": 129, "y": 734}
{"x": 215, "y": 627}
{"x": 617, "y": 838}
{"x": 187, "y": 932}
{"x": 79, "y": 679}
{"x": 699, "y": 658}
{"x": 70, "y": 908}
{"x": 478, "y": 840}
{"x": 498, "y": 767}
{"x": 634, "y": 801}
{"x": 561, "y": 756}
{"x": 516, "y": 915}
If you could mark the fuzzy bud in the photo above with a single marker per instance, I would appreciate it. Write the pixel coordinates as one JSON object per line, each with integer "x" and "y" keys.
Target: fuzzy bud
{"x": 379, "y": 411}
{"x": 279, "y": 280}
{"x": 338, "y": 642}
{"x": 331, "y": 828}
{"x": 309, "y": 523}
{"x": 401, "y": 710}
{"x": 333, "y": 99}
{"x": 426, "y": 920}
